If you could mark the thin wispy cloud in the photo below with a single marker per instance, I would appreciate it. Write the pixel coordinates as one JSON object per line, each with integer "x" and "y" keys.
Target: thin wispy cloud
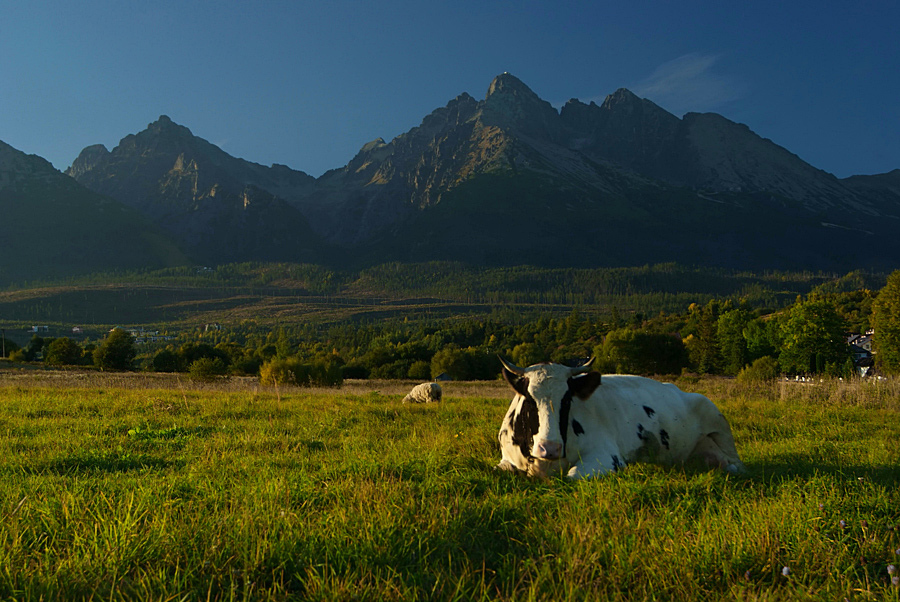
{"x": 690, "y": 83}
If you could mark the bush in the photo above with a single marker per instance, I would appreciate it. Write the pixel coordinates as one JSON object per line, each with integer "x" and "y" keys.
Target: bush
{"x": 629, "y": 351}
{"x": 117, "y": 352}
{"x": 165, "y": 361}
{"x": 291, "y": 371}
{"x": 420, "y": 370}
{"x": 63, "y": 352}
{"x": 207, "y": 369}
{"x": 762, "y": 370}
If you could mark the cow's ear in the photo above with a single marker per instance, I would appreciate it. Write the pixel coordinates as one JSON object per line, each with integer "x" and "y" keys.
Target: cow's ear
{"x": 585, "y": 385}
{"x": 518, "y": 383}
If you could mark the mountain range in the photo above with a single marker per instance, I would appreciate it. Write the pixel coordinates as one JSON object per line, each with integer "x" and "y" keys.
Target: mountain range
{"x": 500, "y": 181}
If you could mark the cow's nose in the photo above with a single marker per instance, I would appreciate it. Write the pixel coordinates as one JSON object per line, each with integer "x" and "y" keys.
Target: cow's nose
{"x": 548, "y": 450}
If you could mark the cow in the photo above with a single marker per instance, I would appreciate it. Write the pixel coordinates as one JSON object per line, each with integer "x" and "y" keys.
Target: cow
{"x": 576, "y": 422}
{"x": 424, "y": 393}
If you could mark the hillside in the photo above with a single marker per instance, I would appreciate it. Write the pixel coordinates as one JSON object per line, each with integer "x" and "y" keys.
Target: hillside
{"x": 52, "y": 226}
{"x": 219, "y": 208}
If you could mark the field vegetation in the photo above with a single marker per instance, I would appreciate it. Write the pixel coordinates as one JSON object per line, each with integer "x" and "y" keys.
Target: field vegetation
{"x": 157, "y": 487}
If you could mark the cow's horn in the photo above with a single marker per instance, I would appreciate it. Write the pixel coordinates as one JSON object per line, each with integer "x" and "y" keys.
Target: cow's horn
{"x": 585, "y": 367}
{"x": 511, "y": 367}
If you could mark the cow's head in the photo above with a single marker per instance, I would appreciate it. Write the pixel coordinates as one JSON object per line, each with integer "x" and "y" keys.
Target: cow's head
{"x": 547, "y": 390}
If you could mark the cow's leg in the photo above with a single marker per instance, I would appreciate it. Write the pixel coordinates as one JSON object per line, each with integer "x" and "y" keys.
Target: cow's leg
{"x": 507, "y": 466}
{"x": 597, "y": 466}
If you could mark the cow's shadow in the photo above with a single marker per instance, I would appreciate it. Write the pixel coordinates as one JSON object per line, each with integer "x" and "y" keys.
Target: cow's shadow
{"x": 785, "y": 469}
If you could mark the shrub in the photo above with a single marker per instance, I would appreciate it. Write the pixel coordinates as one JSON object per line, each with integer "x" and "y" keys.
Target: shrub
{"x": 291, "y": 371}
{"x": 116, "y": 352}
{"x": 762, "y": 370}
{"x": 165, "y": 361}
{"x": 207, "y": 369}
{"x": 629, "y": 351}
{"x": 63, "y": 352}
{"x": 420, "y": 370}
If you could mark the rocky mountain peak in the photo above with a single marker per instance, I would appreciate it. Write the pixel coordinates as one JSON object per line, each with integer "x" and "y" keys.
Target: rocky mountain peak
{"x": 622, "y": 96}
{"x": 165, "y": 125}
{"x": 89, "y": 158}
{"x": 510, "y": 104}
{"x": 506, "y": 83}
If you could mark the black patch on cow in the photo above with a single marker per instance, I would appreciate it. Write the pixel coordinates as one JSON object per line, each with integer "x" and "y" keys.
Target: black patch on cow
{"x": 650, "y": 411}
{"x": 565, "y": 406}
{"x": 518, "y": 383}
{"x": 577, "y": 428}
{"x": 584, "y": 385}
{"x": 617, "y": 464}
{"x": 641, "y": 432}
{"x": 525, "y": 426}
{"x": 664, "y": 438}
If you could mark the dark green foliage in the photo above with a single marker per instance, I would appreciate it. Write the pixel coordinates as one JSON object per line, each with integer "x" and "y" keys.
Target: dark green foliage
{"x": 207, "y": 369}
{"x": 464, "y": 364}
{"x": 32, "y": 349}
{"x": 165, "y": 361}
{"x": 813, "y": 338}
{"x": 116, "y": 352}
{"x": 64, "y": 352}
{"x": 10, "y": 347}
{"x": 887, "y": 325}
{"x": 732, "y": 342}
{"x": 702, "y": 341}
{"x": 763, "y": 369}
{"x": 292, "y": 371}
{"x": 629, "y": 351}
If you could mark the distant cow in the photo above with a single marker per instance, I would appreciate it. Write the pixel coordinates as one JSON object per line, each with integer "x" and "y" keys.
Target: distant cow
{"x": 424, "y": 393}
{"x": 566, "y": 420}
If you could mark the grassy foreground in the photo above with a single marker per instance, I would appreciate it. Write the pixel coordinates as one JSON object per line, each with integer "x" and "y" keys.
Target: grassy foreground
{"x": 109, "y": 491}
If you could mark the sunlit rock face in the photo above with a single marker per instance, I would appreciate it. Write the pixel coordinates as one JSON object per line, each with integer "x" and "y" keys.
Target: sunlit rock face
{"x": 510, "y": 179}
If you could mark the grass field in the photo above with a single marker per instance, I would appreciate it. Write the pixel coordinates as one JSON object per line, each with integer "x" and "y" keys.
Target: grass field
{"x": 127, "y": 487}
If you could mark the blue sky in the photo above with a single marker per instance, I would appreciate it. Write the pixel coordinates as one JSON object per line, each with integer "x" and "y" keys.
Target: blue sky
{"x": 306, "y": 84}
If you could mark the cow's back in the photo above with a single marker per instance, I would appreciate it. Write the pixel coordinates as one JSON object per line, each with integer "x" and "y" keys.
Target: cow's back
{"x": 642, "y": 419}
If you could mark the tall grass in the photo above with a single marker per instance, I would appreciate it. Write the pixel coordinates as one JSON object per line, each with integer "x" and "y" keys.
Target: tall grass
{"x": 232, "y": 492}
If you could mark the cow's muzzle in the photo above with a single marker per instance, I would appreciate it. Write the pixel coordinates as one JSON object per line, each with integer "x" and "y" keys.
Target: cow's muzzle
{"x": 547, "y": 450}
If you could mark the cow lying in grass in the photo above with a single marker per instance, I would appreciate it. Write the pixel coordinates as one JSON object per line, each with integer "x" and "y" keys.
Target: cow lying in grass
{"x": 572, "y": 421}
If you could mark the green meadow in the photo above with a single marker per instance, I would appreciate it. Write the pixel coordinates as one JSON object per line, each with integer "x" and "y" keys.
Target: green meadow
{"x": 137, "y": 488}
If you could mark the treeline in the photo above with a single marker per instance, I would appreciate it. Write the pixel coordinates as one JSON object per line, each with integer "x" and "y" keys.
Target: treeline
{"x": 721, "y": 336}
{"x": 666, "y": 287}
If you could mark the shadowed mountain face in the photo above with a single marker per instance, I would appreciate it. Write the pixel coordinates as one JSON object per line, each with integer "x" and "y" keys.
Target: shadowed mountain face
{"x": 51, "y": 226}
{"x": 509, "y": 179}
{"x": 219, "y": 208}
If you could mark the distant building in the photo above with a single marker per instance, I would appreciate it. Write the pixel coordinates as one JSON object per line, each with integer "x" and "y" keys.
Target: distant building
{"x": 861, "y": 348}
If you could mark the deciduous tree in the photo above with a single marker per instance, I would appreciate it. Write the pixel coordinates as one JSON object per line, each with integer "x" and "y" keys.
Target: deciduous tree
{"x": 886, "y": 321}
{"x": 116, "y": 352}
{"x": 813, "y": 338}
{"x": 63, "y": 352}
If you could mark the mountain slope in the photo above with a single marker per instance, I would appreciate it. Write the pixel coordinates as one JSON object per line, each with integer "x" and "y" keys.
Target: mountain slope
{"x": 509, "y": 179}
{"x": 221, "y": 209}
{"x": 54, "y": 227}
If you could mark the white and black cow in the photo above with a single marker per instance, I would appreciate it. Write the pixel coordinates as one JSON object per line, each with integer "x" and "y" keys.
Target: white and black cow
{"x": 574, "y": 421}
